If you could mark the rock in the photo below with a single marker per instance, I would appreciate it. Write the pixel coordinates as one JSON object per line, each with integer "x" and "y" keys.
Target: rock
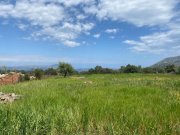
{"x": 88, "y": 82}
{"x": 9, "y": 97}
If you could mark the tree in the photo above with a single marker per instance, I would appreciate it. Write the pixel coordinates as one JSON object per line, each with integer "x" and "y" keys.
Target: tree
{"x": 101, "y": 70}
{"x": 108, "y": 71}
{"x": 170, "y": 68}
{"x": 51, "y": 71}
{"x": 131, "y": 69}
{"x": 38, "y": 73}
{"x": 3, "y": 70}
{"x": 91, "y": 71}
{"x": 122, "y": 69}
{"x": 148, "y": 70}
{"x": 22, "y": 71}
{"x": 98, "y": 69}
{"x": 65, "y": 69}
{"x": 26, "y": 77}
{"x": 159, "y": 70}
{"x": 178, "y": 70}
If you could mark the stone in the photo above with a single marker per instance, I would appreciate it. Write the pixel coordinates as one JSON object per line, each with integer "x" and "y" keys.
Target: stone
{"x": 9, "y": 97}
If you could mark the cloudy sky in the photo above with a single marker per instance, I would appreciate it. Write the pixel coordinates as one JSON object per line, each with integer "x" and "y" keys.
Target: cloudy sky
{"x": 88, "y": 32}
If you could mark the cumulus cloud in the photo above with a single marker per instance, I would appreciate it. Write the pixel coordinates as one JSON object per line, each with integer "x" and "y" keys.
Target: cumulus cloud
{"x": 21, "y": 26}
{"x": 76, "y": 2}
{"x": 142, "y": 13}
{"x": 71, "y": 43}
{"x": 92, "y": 9}
{"x": 81, "y": 17}
{"x": 68, "y": 3}
{"x": 167, "y": 41}
{"x": 5, "y": 9}
{"x": 138, "y": 12}
{"x": 66, "y": 33}
{"x": 66, "y": 20}
{"x": 113, "y": 31}
{"x": 36, "y": 13}
{"x": 48, "y": 19}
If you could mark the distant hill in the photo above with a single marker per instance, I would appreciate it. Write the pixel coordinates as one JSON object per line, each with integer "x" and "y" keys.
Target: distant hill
{"x": 168, "y": 61}
{"x": 78, "y": 69}
{"x": 27, "y": 68}
{"x": 44, "y": 67}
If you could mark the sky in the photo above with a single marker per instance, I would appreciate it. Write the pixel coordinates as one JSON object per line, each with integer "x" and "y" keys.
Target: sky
{"x": 87, "y": 33}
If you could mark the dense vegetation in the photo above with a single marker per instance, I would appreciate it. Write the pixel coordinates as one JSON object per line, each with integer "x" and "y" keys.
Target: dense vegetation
{"x": 66, "y": 69}
{"x": 134, "y": 69}
{"x": 94, "y": 104}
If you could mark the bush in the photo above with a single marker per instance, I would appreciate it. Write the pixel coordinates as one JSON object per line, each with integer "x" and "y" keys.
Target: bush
{"x": 170, "y": 68}
{"x": 148, "y": 70}
{"x": 26, "y": 77}
{"x": 38, "y": 73}
{"x": 130, "y": 69}
{"x": 100, "y": 70}
{"x": 51, "y": 71}
{"x": 178, "y": 70}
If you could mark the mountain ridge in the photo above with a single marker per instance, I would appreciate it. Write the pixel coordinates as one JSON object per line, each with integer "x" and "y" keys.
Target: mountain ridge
{"x": 168, "y": 61}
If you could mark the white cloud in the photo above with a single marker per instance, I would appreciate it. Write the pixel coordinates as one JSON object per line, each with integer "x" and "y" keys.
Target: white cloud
{"x": 92, "y": 9}
{"x": 71, "y": 43}
{"x": 158, "y": 42}
{"x": 142, "y": 13}
{"x": 5, "y": 9}
{"x": 22, "y": 26}
{"x": 138, "y": 12}
{"x": 81, "y": 17}
{"x": 66, "y": 33}
{"x": 97, "y": 35}
{"x": 66, "y": 20}
{"x": 48, "y": 19}
{"x": 37, "y": 13}
{"x": 68, "y": 3}
{"x": 113, "y": 31}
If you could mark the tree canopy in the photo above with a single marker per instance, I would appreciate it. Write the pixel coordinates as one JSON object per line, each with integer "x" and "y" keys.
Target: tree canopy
{"x": 65, "y": 69}
{"x": 38, "y": 73}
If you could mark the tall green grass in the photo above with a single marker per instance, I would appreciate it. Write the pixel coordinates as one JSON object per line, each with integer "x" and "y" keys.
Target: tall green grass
{"x": 123, "y": 104}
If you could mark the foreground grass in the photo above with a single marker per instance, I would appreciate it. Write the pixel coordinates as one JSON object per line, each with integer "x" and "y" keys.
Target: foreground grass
{"x": 110, "y": 104}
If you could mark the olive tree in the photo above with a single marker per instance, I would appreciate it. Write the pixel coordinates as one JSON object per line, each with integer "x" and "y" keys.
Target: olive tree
{"x": 65, "y": 69}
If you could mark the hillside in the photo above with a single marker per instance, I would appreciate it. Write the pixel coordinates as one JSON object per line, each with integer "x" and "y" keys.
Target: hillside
{"x": 168, "y": 61}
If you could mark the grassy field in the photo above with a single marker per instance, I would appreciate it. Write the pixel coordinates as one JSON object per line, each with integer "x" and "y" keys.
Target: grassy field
{"x": 97, "y": 104}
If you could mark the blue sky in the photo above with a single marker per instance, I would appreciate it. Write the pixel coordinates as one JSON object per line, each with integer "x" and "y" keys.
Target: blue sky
{"x": 88, "y": 32}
